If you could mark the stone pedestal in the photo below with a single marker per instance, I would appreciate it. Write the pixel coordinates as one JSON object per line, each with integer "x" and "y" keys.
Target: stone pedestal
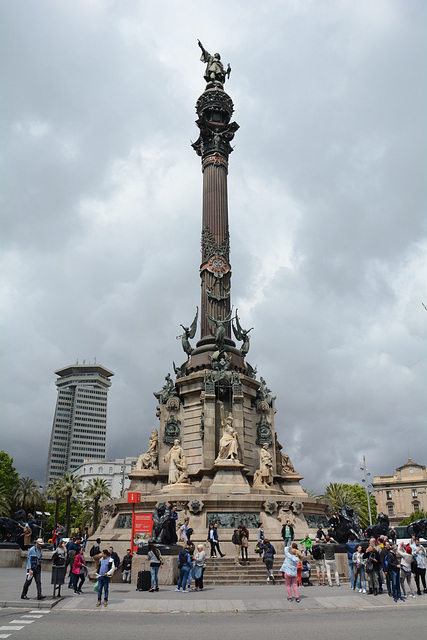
{"x": 229, "y": 478}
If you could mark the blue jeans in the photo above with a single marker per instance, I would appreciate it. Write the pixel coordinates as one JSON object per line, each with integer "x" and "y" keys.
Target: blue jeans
{"x": 361, "y": 579}
{"x": 103, "y": 582}
{"x": 395, "y": 584}
{"x": 351, "y": 567}
{"x": 288, "y": 542}
{"x": 154, "y": 570}
{"x": 183, "y": 576}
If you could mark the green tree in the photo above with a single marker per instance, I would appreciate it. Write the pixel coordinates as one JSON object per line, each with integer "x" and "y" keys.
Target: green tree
{"x": 417, "y": 515}
{"x": 8, "y": 482}
{"x": 71, "y": 488}
{"x": 354, "y": 496}
{"x": 360, "y": 493}
{"x": 4, "y": 502}
{"x": 97, "y": 490}
{"x": 54, "y": 492}
{"x": 27, "y": 494}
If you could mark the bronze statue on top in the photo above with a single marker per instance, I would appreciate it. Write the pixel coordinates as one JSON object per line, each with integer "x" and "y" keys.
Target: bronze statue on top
{"x": 241, "y": 334}
{"x": 189, "y": 333}
{"x": 214, "y": 68}
{"x": 218, "y": 325}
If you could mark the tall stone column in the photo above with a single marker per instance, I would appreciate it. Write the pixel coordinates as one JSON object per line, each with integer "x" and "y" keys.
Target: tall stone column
{"x": 214, "y": 109}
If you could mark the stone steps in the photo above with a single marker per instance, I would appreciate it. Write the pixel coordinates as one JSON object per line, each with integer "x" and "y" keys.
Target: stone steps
{"x": 224, "y": 572}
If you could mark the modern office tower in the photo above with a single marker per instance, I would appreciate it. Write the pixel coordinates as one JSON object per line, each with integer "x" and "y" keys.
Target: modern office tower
{"x": 80, "y": 421}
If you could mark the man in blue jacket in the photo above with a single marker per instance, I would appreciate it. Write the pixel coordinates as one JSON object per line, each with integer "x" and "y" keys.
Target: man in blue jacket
{"x": 351, "y": 547}
{"x": 34, "y": 570}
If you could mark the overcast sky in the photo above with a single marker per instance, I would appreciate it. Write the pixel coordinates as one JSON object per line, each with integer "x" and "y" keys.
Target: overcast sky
{"x": 101, "y": 205}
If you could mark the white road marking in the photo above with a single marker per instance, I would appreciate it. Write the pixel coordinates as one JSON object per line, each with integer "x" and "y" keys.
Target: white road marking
{"x": 12, "y": 628}
{"x": 32, "y": 615}
{"x": 21, "y": 621}
{"x": 5, "y": 635}
{"x": 39, "y": 611}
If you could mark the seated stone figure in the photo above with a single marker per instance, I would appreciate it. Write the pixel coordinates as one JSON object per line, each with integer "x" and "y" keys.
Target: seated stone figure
{"x": 228, "y": 442}
{"x": 148, "y": 460}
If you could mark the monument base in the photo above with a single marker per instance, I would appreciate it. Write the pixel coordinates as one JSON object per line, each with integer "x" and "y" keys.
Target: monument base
{"x": 229, "y": 478}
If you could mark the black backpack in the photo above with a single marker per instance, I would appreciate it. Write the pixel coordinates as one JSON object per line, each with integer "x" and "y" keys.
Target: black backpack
{"x": 94, "y": 550}
{"x": 183, "y": 559}
{"x": 317, "y": 552}
{"x": 414, "y": 566}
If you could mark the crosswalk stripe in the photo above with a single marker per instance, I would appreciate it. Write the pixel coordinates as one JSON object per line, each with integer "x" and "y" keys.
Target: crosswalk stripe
{"x": 16, "y": 628}
{"x": 5, "y": 635}
{"x": 32, "y": 615}
{"x": 21, "y": 621}
{"x": 39, "y": 611}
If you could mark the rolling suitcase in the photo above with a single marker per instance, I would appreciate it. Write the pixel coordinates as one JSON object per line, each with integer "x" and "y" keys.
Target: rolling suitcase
{"x": 144, "y": 581}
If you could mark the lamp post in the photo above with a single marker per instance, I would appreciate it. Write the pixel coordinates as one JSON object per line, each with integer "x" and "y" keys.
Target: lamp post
{"x": 367, "y": 485}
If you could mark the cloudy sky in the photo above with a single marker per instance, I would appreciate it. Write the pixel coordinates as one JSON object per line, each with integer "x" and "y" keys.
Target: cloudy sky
{"x": 101, "y": 205}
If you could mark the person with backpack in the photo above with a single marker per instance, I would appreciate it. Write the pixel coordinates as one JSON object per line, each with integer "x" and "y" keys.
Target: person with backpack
{"x": 95, "y": 552}
{"x": 106, "y": 570}
{"x": 236, "y": 539}
{"x": 268, "y": 559}
{"x": 405, "y": 555}
{"x": 184, "y": 566}
{"x": 319, "y": 559}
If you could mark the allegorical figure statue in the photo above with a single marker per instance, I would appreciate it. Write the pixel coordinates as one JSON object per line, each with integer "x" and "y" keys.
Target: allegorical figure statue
{"x": 148, "y": 460}
{"x": 228, "y": 442}
{"x": 189, "y": 333}
{"x": 168, "y": 391}
{"x": 241, "y": 334}
{"x": 176, "y": 458}
{"x": 287, "y": 466}
{"x": 264, "y": 476}
{"x": 218, "y": 328}
{"x": 183, "y": 472}
{"x": 214, "y": 68}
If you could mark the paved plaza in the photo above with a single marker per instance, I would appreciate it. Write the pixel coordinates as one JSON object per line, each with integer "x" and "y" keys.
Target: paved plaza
{"x": 214, "y": 599}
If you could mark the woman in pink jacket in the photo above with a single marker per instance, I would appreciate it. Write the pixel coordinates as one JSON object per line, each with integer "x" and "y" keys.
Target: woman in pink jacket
{"x": 79, "y": 570}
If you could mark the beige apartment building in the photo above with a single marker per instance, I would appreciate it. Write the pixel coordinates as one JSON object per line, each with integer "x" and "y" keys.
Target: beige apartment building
{"x": 402, "y": 493}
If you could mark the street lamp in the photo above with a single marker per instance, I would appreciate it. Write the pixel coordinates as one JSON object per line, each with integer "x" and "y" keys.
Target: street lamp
{"x": 367, "y": 485}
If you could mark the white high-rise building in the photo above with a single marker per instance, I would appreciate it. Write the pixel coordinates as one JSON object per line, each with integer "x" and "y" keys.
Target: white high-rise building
{"x": 114, "y": 472}
{"x": 80, "y": 421}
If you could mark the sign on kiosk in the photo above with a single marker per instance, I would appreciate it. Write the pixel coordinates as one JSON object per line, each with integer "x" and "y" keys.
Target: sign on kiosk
{"x": 142, "y": 528}
{"x": 142, "y": 523}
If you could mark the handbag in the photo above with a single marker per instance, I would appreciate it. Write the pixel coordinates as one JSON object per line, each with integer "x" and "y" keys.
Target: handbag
{"x": 369, "y": 566}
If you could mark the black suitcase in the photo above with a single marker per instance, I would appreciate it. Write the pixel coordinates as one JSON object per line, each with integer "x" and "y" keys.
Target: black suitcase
{"x": 144, "y": 581}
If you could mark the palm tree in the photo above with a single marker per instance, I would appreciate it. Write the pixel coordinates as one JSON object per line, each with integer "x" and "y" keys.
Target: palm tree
{"x": 337, "y": 496}
{"x": 54, "y": 491}
{"x": 97, "y": 490}
{"x": 313, "y": 494}
{"x": 71, "y": 487}
{"x": 27, "y": 493}
{"x": 4, "y": 502}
